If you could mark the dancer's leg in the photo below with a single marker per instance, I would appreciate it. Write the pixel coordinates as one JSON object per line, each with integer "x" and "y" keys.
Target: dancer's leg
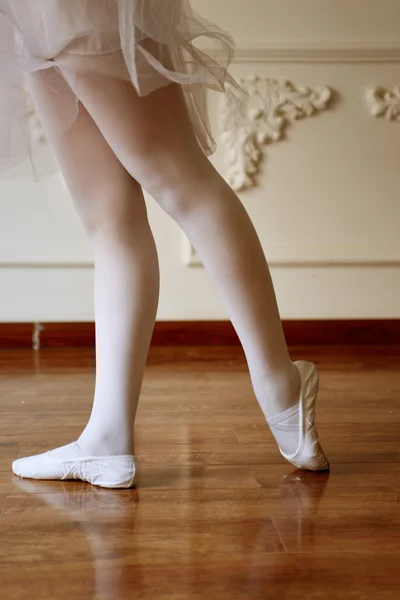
{"x": 112, "y": 207}
{"x": 153, "y": 138}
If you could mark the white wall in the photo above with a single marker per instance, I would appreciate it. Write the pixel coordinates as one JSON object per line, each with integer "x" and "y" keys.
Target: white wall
{"x": 305, "y": 19}
{"x": 326, "y": 200}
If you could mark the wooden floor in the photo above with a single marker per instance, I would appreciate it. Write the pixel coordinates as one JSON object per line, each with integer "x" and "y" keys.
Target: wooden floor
{"x": 217, "y": 513}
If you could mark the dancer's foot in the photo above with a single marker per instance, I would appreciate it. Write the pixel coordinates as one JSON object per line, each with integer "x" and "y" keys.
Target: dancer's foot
{"x": 71, "y": 462}
{"x": 295, "y": 430}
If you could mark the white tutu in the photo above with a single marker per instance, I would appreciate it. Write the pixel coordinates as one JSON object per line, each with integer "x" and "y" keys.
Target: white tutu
{"x": 157, "y": 38}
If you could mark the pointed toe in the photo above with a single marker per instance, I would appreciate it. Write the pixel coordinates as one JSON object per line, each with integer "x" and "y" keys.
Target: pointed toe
{"x": 309, "y": 455}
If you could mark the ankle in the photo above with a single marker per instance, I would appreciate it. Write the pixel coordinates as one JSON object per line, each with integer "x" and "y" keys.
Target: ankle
{"x": 280, "y": 391}
{"x": 106, "y": 443}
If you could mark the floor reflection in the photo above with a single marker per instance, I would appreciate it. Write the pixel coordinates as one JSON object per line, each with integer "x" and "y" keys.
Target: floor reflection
{"x": 131, "y": 549}
{"x": 297, "y": 502}
{"x": 106, "y": 518}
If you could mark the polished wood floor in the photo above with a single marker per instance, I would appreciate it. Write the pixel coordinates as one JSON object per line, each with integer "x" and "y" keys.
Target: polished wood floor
{"x": 217, "y": 512}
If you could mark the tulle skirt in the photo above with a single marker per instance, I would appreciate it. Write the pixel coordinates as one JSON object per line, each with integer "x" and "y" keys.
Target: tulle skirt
{"x": 158, "y": 40}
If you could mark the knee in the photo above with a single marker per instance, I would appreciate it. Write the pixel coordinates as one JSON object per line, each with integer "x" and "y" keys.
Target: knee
{"x": 179, "y": 185}
{"x": 111, "y": 213}
{"x": 175, "y": 200}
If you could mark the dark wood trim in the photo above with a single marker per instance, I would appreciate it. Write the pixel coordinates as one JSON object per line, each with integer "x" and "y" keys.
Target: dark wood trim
{"x": 210, "y": 333}
{"x": 381, "y": 332}
{"x": 73, "y": 335}
{"x": 16, "y": 335}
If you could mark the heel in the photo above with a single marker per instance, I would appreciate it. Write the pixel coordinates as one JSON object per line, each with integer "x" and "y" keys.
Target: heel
{"x": 115, "y": 472}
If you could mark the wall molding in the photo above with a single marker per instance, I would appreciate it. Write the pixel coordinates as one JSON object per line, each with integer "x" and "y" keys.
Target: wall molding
{"x": 318, "y": 255}
{"x": 301, "y": 51}
{"x": 37, "y": 336}
{"x": 270, "y": 108}
{"x": 383, "y": 102}
{"x": 334, "y": 255}
{"x": 46, "y": 264}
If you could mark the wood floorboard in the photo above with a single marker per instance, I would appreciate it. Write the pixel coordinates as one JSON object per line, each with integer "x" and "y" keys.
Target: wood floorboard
{"x": 217, "y": 512}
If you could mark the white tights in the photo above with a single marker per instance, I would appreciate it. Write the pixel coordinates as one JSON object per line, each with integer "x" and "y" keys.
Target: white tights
{"x": 119, "y": 144}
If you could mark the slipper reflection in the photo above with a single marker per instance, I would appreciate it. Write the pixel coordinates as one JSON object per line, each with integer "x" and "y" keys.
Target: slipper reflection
{"x": 297, "y": 504}
{"x": 107, "y": 520}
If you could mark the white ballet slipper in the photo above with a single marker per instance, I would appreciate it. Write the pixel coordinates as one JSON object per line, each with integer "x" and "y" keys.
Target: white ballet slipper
{"x": 70, "y": 463}
{"x": 309, "y": 454}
